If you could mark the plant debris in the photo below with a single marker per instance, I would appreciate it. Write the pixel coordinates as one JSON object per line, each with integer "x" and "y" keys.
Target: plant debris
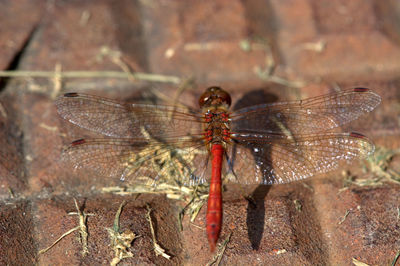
{"x": 378, "y": 167}
{"x": 267, "y": 73}
{"x": 297, "y": 205}
{"x": 396, "y": 258}
{"x": 91, "y": 74}
{"x": 82, "y": 231}
{"x": 157, "y": 248}
{"x": 358, "y": 263}
{"x": 120, "y": 242}
{"x": 216, "y": 260}
{"x": 344, "y": 217}
{"x": 173, "y": 166}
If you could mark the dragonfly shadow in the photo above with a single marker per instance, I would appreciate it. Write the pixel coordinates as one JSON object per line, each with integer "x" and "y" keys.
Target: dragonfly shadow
{"x": 256, "y": 215}
{"x": 256, "y": 207}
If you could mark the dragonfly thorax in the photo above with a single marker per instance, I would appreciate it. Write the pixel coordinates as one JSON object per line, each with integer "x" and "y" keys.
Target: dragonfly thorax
{"x": 217, "y": 127}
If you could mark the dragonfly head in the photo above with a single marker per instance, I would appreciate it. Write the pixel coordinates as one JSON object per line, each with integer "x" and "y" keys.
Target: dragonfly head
{"x": 215, "y": 97}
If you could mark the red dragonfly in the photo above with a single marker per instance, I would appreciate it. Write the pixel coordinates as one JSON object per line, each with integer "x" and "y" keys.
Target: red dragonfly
{"x": 263, "y": 144}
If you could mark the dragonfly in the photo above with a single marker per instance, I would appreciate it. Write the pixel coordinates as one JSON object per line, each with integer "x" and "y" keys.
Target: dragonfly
{"x": 268, "y": 144}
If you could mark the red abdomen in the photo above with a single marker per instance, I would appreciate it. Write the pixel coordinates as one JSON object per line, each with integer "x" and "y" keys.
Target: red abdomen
{"x": 214, "y": 205}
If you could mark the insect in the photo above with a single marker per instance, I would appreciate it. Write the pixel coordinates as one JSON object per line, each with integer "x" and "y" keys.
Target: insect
{"x": 263, "y": 144}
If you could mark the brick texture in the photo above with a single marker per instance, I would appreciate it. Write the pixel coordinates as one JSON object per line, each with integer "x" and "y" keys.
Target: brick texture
{"x": 261, "y": 51}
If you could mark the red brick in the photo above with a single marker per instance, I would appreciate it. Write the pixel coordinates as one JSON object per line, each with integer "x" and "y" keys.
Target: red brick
{"x": 12, "y": 174}
{"x": 270, "y": 229}
{"x": 388, "y": 13}
{"x": 357, "y": 52}
{"x": 53, "y": 220}
{"x": 17, "y": 242}
{"x": 382, "y": 122}
{"x": 200, "y": 40}
{"x": 14, "y": 34}
{"x": 354, "y": 47}
{"x": 42, "y": 142}
{"x": 370, "y": 230}
{"x": 74, "y": 33}
{"x": 343, "y": 17}
{"x": 47, "y": 134}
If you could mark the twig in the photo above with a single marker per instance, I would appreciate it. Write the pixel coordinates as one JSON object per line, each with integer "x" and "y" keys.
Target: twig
{"x": 221, "y": 250}
{"x": 85, "y": 16}
{"x": 120, "y": 242}
{"x": 344, "y": 217}
{"x": 297, "y": 205}
{"x": 185, "y": 84}
{"x": 266, "y": 73}
{"x": 182, "y": 214}
{"x": 92, "y": 74}
{"x": 398, "y": 212}
{"x": 83, "y": 228}
{"x": 117, "y": 215}
{"x": 55, "y": 242}
{"x": 358, "y": 263}
{"x": 396, "y": 258}
{"x": 57, "y": 80}
{"x": 47, "y": 127}
{"x": 83, "y": 231}
{"x": 3, "y": 111}
{"x": 318, "y": 46}
{"x": 157, "y": 248}
{"x": 196, "y": 202}
{"x": 116, "y": 57}
{"x": 11, "y": 192}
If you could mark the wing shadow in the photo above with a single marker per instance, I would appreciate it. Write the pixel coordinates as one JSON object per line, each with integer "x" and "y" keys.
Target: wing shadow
{"x": 256, "y": 207}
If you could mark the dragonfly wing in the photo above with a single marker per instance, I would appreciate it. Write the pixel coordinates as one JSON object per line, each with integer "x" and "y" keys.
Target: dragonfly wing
{"x": 117, "y": 119}
{"x": 143, "y": 162}
{"x": 282, "y": 159}
{"x": 313, "y": 115}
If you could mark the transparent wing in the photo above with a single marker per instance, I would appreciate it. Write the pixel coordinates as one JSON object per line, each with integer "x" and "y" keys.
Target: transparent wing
{"x": 281, "y": 159}
{"x": 275, "y": 143}
{"x": 140, "y": 161}
{"x": 309, "y": 116}
{"x": 117, "y": 119}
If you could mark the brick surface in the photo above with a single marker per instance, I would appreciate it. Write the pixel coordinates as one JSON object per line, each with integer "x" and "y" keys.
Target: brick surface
{"x": 74, "y": 39}
{"x": 13, "y": 178}
{"x": 194, "y": 46}
{"x": 14, "y": 33}
{"x": 269, "y": 228}
{"x": 327, "y": 40}
{"x": 325, "y": 45}
{"x": 53, "y": 221}
{"x": 369, "y": 231}
{"x": 17, "y": 242}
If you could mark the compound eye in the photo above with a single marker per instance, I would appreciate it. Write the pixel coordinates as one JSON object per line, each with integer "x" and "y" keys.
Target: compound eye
{"x": 225, "y": 97}
{"x": 205, "y": 97}
{"x": 214, "y": 96}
